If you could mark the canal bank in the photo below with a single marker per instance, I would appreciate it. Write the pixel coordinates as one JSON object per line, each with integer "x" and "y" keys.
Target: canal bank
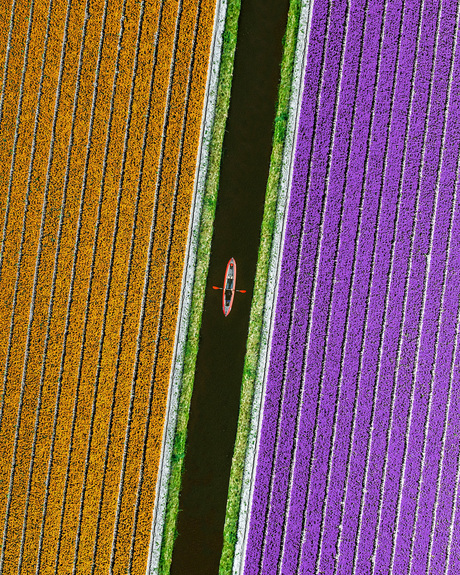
{"x": 215, "y": 401}
{"x": 265, "y": 285}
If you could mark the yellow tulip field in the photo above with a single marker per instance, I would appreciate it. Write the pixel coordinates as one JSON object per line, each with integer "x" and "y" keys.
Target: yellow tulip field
{"x": 100, "y": 116}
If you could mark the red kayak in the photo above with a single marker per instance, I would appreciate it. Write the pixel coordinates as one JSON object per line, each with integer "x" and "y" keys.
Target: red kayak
{"x": 229, "y": 287}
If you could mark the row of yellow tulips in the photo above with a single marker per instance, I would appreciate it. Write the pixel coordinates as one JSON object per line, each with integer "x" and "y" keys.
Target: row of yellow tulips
{"x": 167, "y": 185}
{"x": 117, "y": 360}
{"x": 5, "y": 22}
{"x": 83, "y": 368}
{"x": 85, "y": 317}
{"x": 24, "y": 341}
{"x": 10, "y": 87}
{"x": 145, "y": 489}
{"x": 45, "y": 288}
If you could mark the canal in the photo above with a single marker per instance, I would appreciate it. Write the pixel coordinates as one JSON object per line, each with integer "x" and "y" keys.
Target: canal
{"x": 219, "y": 368}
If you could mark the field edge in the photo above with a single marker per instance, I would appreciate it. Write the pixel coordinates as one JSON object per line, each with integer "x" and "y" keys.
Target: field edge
{"x": 230, "y": 9}
{"x": 262, "y": 306}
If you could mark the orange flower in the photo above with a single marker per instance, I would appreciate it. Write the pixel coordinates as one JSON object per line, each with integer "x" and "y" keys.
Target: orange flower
{"x": 47, "y": 179}
{"x": 24, "y": 219}
{"x": 152, "y": 440}
{"x": 88, "y": 296}
{"x": 85, "y": 371}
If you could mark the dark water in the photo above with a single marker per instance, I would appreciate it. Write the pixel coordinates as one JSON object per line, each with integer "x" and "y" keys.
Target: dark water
{"x": 243, "y": 179}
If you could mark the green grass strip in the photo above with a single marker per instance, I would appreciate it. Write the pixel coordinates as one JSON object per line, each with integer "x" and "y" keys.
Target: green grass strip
{"x": 260, "y": 285}
{"x": 201, "y": 274}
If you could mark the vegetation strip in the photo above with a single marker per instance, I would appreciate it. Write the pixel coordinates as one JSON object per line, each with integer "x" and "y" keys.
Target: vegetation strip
{"x": 262, "y": 307}
{"x": 202, "y": 263}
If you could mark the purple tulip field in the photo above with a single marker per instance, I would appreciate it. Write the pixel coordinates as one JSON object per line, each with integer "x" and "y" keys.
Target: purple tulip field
{"x": 358, "y": 456}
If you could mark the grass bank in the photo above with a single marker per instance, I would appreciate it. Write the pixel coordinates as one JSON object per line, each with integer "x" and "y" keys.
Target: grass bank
{"x": 260, "y": 285}
{"x": 201, "y": 273}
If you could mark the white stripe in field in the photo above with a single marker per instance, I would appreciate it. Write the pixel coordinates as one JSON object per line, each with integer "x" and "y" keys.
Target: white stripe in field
{"x": 386, "y": 302}
{"x": 273, "y": 280}
{"x": 438, "y": 327}
{"x": 372, "y": 272}
{"x": 454, "y": 519}
{"x": 451, "y": 376}
{"x": 375, "y": 394}
{"x": 296, "y": 283}
{"x": 66, "y": 329}
{"x": 371, "y": 283}
{"x": 290, "y": 154}
{"x": 34, "y": 288}
{"x": 297, "y": 274}
{"x": 5, "y": 223}
{"x": 93, "y": 264}
{"x": 425, "y": 291}
{"x": 109, "y": 279}
{"x": 405, "y": 302}
{"x": 145, "y": 288}
{"x": 374, "y": 411}
{"x": 165, "y": 282}
{"x": 53, "y": 289}
{"x": 352, "y": 284}
{"x": 289, "y": 338}
{"x": 448, "y": 418}
{"x": 164, "y": 468}
{"x": 7, "y": 59}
